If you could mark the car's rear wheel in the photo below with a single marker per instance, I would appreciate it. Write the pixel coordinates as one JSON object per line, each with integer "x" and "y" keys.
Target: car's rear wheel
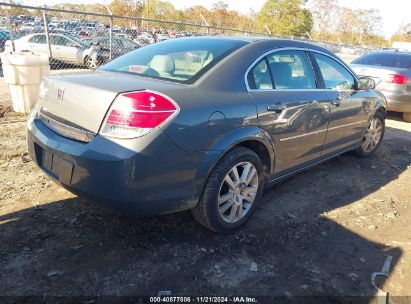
{"x": 406, "y": 117}
{"x": 373, "y": 135}
{"x": 232, "y": 191}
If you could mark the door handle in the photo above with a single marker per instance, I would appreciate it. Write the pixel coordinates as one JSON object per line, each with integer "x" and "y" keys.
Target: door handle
{"x": 277, "y": 108}
{"x": 336, "y": 102}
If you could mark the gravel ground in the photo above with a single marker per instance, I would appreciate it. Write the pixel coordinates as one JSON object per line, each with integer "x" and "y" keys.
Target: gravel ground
{"x": 320, "y": 233}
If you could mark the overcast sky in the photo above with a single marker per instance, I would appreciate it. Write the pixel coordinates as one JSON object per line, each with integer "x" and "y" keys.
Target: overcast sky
{"x": 393, "y": 12}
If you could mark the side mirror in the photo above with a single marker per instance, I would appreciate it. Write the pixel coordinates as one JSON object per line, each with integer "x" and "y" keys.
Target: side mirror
{"x": 366, "y": 83}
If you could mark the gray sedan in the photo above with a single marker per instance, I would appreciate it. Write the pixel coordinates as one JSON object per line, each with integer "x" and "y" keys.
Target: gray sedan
{"x": 391, "y": 70}
{"x": 201, "y": 124}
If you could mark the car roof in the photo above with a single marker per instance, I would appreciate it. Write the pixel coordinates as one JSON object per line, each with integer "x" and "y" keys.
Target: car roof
{"x": 241, "y": 38}
{"x": 268, "y": 43}
{"x": 274, "y": 42}
{"x": 393, "y": 51}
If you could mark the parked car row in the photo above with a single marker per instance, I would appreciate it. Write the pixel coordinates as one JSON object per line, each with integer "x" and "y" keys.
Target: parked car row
{"x": 81, "y": 42}
{"x": 71, "y": 49}
{"x": 86, "y": 43}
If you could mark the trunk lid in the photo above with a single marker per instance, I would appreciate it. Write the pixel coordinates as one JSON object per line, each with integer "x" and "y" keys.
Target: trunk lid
{"x": 83, "y": 99}
{"x": 378, "y": 73}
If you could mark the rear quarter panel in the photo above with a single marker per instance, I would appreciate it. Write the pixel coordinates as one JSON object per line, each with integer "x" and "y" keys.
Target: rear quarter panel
{"x": 207, "y": 116}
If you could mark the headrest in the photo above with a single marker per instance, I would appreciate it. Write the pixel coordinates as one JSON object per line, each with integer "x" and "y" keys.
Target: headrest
{"x": 163, "y": 64}
{"x": 282, "y": 72}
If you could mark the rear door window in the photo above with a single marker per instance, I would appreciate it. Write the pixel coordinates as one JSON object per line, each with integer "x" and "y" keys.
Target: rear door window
{"x": 291, "y": 70}
{"x": 59, "y": 40}
{"x": 38, "y": 39}
{"x": 259, "y": 77}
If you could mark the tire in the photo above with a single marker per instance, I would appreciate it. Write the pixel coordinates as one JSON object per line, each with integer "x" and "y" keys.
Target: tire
{"x": 90, "y": 63}
{"x": 366, "y": 150}
{"x": 208, "y": 212}
{"x": 406, "y": 117}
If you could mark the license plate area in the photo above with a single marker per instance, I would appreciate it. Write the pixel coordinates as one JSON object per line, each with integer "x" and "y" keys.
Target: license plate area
{"x": 60, "y": 168}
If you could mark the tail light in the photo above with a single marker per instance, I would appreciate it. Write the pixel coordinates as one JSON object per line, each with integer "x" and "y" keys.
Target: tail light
{"x": 135, "y": 114}
{"x": 397, "y": 78}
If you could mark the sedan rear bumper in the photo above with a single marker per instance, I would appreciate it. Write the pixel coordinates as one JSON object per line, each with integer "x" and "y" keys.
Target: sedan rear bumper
{"x": 399, "y": 106}
{"x": 397, "y": 102}
{"x": 114, "y": 174}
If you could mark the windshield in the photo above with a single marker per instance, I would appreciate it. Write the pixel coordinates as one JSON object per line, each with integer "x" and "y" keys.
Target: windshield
{"x": 181, "y": 60}
{"x": 78, "y": 40}
{"x": 387, "y": 60}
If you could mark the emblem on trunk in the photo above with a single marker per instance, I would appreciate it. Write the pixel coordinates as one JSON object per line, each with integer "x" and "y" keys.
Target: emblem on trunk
{"x": 60, "y": 93}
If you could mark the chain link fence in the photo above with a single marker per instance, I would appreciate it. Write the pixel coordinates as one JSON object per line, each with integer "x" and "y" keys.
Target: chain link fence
{"x": 84, "y": 40}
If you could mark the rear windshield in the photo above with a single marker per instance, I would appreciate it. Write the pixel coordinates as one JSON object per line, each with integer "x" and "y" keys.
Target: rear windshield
{"x": 386, "y": 60}
{"x": 181, "y": 60}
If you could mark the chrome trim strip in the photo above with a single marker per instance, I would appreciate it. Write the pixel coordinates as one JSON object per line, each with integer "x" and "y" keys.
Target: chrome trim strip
{"x": 347, "y": 125}
{"x": 65, "y": 130}
{"x": 323, "y": 130}
{"x": 291, "y": 49}
{"x": 302, "y": 135}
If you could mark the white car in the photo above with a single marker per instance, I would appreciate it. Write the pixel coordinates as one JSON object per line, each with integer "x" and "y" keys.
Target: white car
{"x": 162, "y": 37}
{"x": 144, "y": 39}
{"x": 27, "y": 27}
{"x": 64, "y": 48}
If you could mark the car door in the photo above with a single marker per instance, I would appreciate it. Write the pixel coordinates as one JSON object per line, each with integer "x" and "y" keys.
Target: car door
{"x": 349, "y": 108}
{"x": 129, "y": 46}
{"x": 291, "y": 108}
{"x": 37, "y": 43}
{"x": 64, "y": 49}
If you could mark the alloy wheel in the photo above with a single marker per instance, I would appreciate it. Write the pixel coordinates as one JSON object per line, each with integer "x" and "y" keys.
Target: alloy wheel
{"x": 238, "y": 192}
{"x": 372, "y": 136}
{"x": 91, "y": 63}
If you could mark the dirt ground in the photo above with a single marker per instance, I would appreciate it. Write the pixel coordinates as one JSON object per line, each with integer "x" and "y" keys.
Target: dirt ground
{"x": 321, "y": 233}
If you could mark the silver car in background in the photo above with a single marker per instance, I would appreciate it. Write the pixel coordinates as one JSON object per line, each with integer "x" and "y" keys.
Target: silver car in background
{"x": 391, "y": 71}
{"x": 67, "y": 49}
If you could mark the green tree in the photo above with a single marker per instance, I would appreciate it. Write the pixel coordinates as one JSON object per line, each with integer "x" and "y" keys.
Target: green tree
{"x": 403, "y": 33}
{"x": 285, "y": 18}
{"x": 159, "y": 10}
{"x": 345, "y": 25}
{"x": 324, "y": 14}
{"x": 130, "y": 8}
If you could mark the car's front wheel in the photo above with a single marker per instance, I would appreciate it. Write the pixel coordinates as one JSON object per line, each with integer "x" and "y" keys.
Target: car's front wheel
{"x": 91, "y": 63}
{"x": 232, "y": 191}
{"x": 373, "y": 135}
